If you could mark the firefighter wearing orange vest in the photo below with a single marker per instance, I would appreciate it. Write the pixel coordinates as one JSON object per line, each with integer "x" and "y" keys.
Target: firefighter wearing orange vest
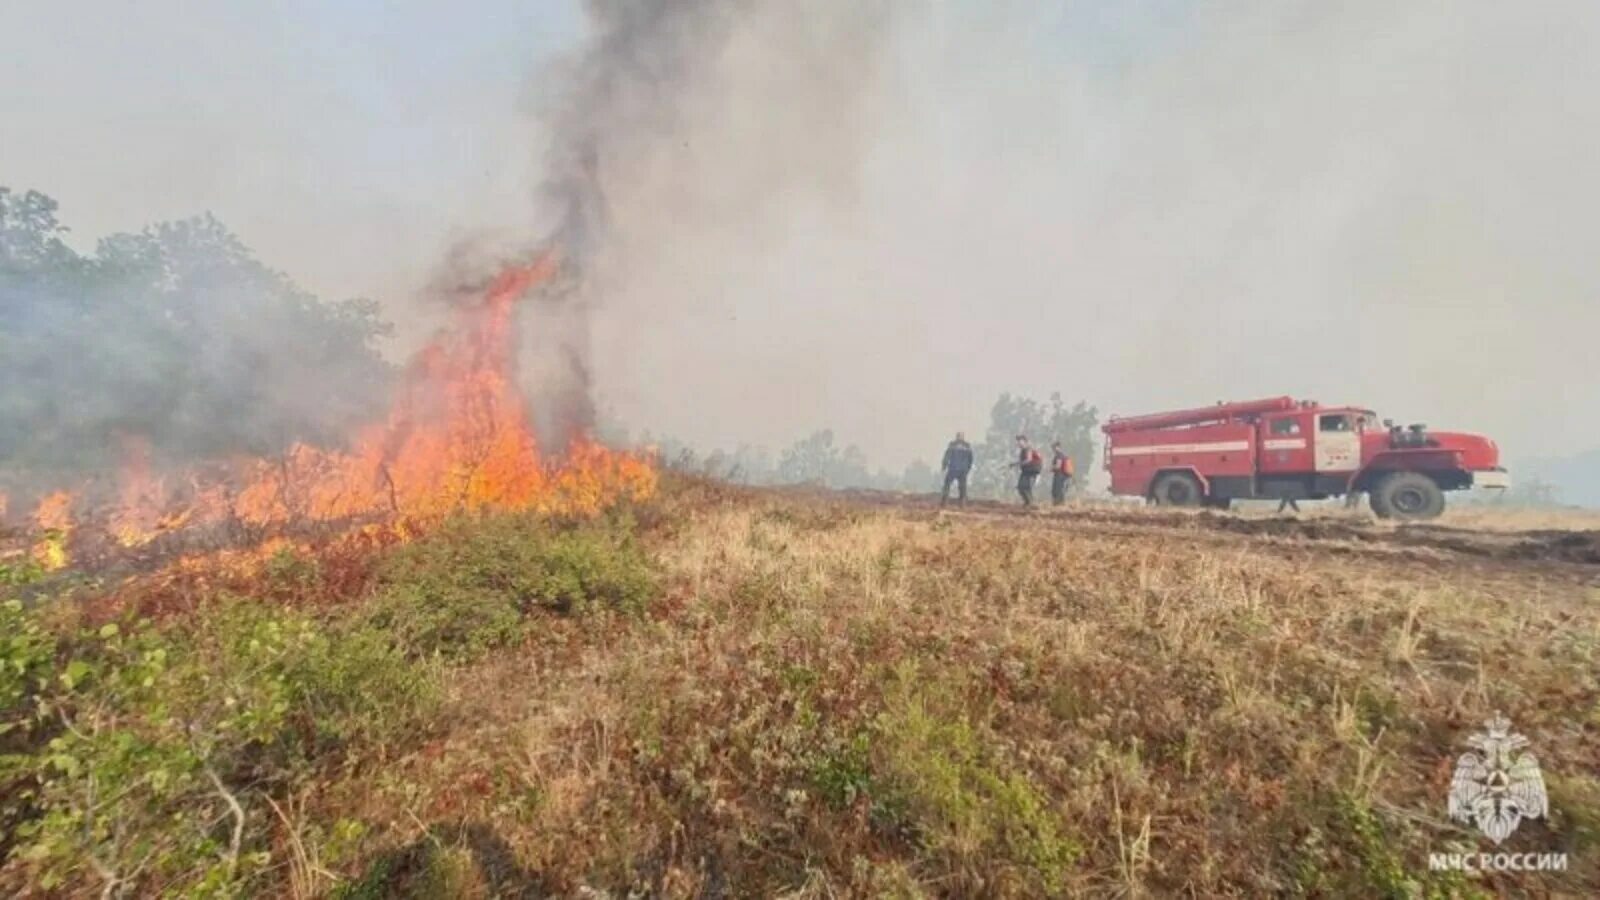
{"x": 1061, "y": 471}
{"x": 1031, "y": 464}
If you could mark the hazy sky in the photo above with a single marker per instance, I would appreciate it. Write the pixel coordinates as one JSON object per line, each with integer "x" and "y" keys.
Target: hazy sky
{"x": 878, "y": 224}
{"x": 347, "y": 142}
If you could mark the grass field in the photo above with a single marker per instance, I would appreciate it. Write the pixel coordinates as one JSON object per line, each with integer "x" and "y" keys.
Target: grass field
{"x": 727, "y": 693}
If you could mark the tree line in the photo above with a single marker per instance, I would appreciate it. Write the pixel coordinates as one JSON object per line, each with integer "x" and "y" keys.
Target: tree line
{"x": 178, "y": 335}
{"x": 820, "y": 459}
{"x": 175, "y": 334}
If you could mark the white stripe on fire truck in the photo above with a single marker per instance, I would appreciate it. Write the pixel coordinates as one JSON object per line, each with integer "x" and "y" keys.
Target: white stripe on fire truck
{"x": 1213, "y": 447}
{"x": 1284, "y": 444}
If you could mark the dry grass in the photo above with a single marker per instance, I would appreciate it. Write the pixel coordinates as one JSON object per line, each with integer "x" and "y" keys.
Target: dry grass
{"x": 832, "y": 702}
{"x": 1504, "y": 518}
{"x": 829, "y": 700}
{"x": 1480, "y": 516}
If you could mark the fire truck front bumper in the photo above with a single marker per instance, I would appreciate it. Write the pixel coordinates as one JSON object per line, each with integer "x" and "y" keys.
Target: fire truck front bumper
{"x": 1498, "y": 479}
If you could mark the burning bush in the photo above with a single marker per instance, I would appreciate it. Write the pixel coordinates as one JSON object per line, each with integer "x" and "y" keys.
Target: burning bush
{"x": 157, "y": 752}
{"x": 177, "y": 335}
{"x": 458, "y": 438}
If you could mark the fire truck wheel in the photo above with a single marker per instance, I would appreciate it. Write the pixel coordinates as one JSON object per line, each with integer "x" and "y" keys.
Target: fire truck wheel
{"x": 1408, "y": 495}
{"x": 1177, "y": 489}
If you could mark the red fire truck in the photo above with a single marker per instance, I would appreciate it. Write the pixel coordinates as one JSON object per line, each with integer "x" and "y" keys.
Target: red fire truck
{"x": 1279, "y": 447}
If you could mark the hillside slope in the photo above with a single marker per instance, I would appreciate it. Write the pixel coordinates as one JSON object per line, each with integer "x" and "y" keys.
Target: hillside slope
{"x": 728, "y": 693}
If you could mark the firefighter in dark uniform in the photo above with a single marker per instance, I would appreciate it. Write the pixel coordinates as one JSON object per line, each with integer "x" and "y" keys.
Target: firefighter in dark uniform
{"x": 1029, "y": 464}
{"x": 1061, "y": 470}
{"x": 957, "y": 463}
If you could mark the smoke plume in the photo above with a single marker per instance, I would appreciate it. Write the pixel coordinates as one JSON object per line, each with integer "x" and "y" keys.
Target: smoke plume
{"x": 876, "y": 217}
{"x": 879, "y": 223}
{"x": 628, "y": 123}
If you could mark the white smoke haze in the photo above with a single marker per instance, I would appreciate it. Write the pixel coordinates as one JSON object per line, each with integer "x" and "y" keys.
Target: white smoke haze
{"x": 875, "y": 217}
{"x": 667, "y": 140}
{"x": 1375, "y": 204}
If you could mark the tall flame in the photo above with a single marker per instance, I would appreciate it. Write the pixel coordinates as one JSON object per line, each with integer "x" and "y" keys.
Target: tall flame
{"x": 458, "y": 438}
{"x": 137, "y": 518}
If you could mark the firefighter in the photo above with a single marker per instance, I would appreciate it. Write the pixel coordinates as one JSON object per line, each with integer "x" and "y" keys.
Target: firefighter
{"x": 1061, "y": 471}
{"x": 1288, "y": 503}
{"x": 1029, "y": 464}
{"x": 957, "y": 463}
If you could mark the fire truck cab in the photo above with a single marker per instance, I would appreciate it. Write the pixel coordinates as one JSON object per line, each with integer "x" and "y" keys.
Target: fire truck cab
{"x": 1282, "y": 448}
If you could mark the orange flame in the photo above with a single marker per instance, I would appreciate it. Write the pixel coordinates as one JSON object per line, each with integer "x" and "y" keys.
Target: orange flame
{"x": 138, "y": 517}
{"x": 53, "y": 516}
{"x": 458, "y": 438}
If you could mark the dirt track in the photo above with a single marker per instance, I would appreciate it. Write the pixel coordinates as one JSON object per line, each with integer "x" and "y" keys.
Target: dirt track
{"x": 1572, "y": 554}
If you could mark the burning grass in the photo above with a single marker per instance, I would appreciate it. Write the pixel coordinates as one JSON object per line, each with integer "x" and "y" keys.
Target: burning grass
{"x": 148, "y": 752}
{"x": 457, "y": 439}
{"x": 751, "y": 695}
{"x": 225, "y": 634}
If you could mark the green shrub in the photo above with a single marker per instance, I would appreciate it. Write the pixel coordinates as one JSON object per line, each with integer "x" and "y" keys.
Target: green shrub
{"x": 291, "y": 575}
{"x": 26, "y": 654}
{"x": 146, "y": 760}
{"x": 843, "y": 773}
{"x": 1348, "y": 850}
{"x": 427, "y": 870}
{"x": 1575, "y": 798}
{"x": 116, "y": 785}
{"x": 19, "y": 572}
{"x": 471, "y": 586}
{"x": 937, "y": 774}
{"x": 1382, "y": 871}
{"x": 154, "y": 748}
{"x": 290, "y": 688}
{"x": 356, "y": 688}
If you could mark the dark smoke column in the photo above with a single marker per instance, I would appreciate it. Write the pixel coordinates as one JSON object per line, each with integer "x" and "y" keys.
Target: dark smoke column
{"x": 564, "y": 407}
{"x": 622, "y": 94}
{"x": 693, "y": 124}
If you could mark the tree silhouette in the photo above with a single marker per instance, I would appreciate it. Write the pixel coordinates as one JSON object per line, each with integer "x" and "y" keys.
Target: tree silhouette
{"x": 177, "y": 335}
{"x": 1043, "y": 423}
